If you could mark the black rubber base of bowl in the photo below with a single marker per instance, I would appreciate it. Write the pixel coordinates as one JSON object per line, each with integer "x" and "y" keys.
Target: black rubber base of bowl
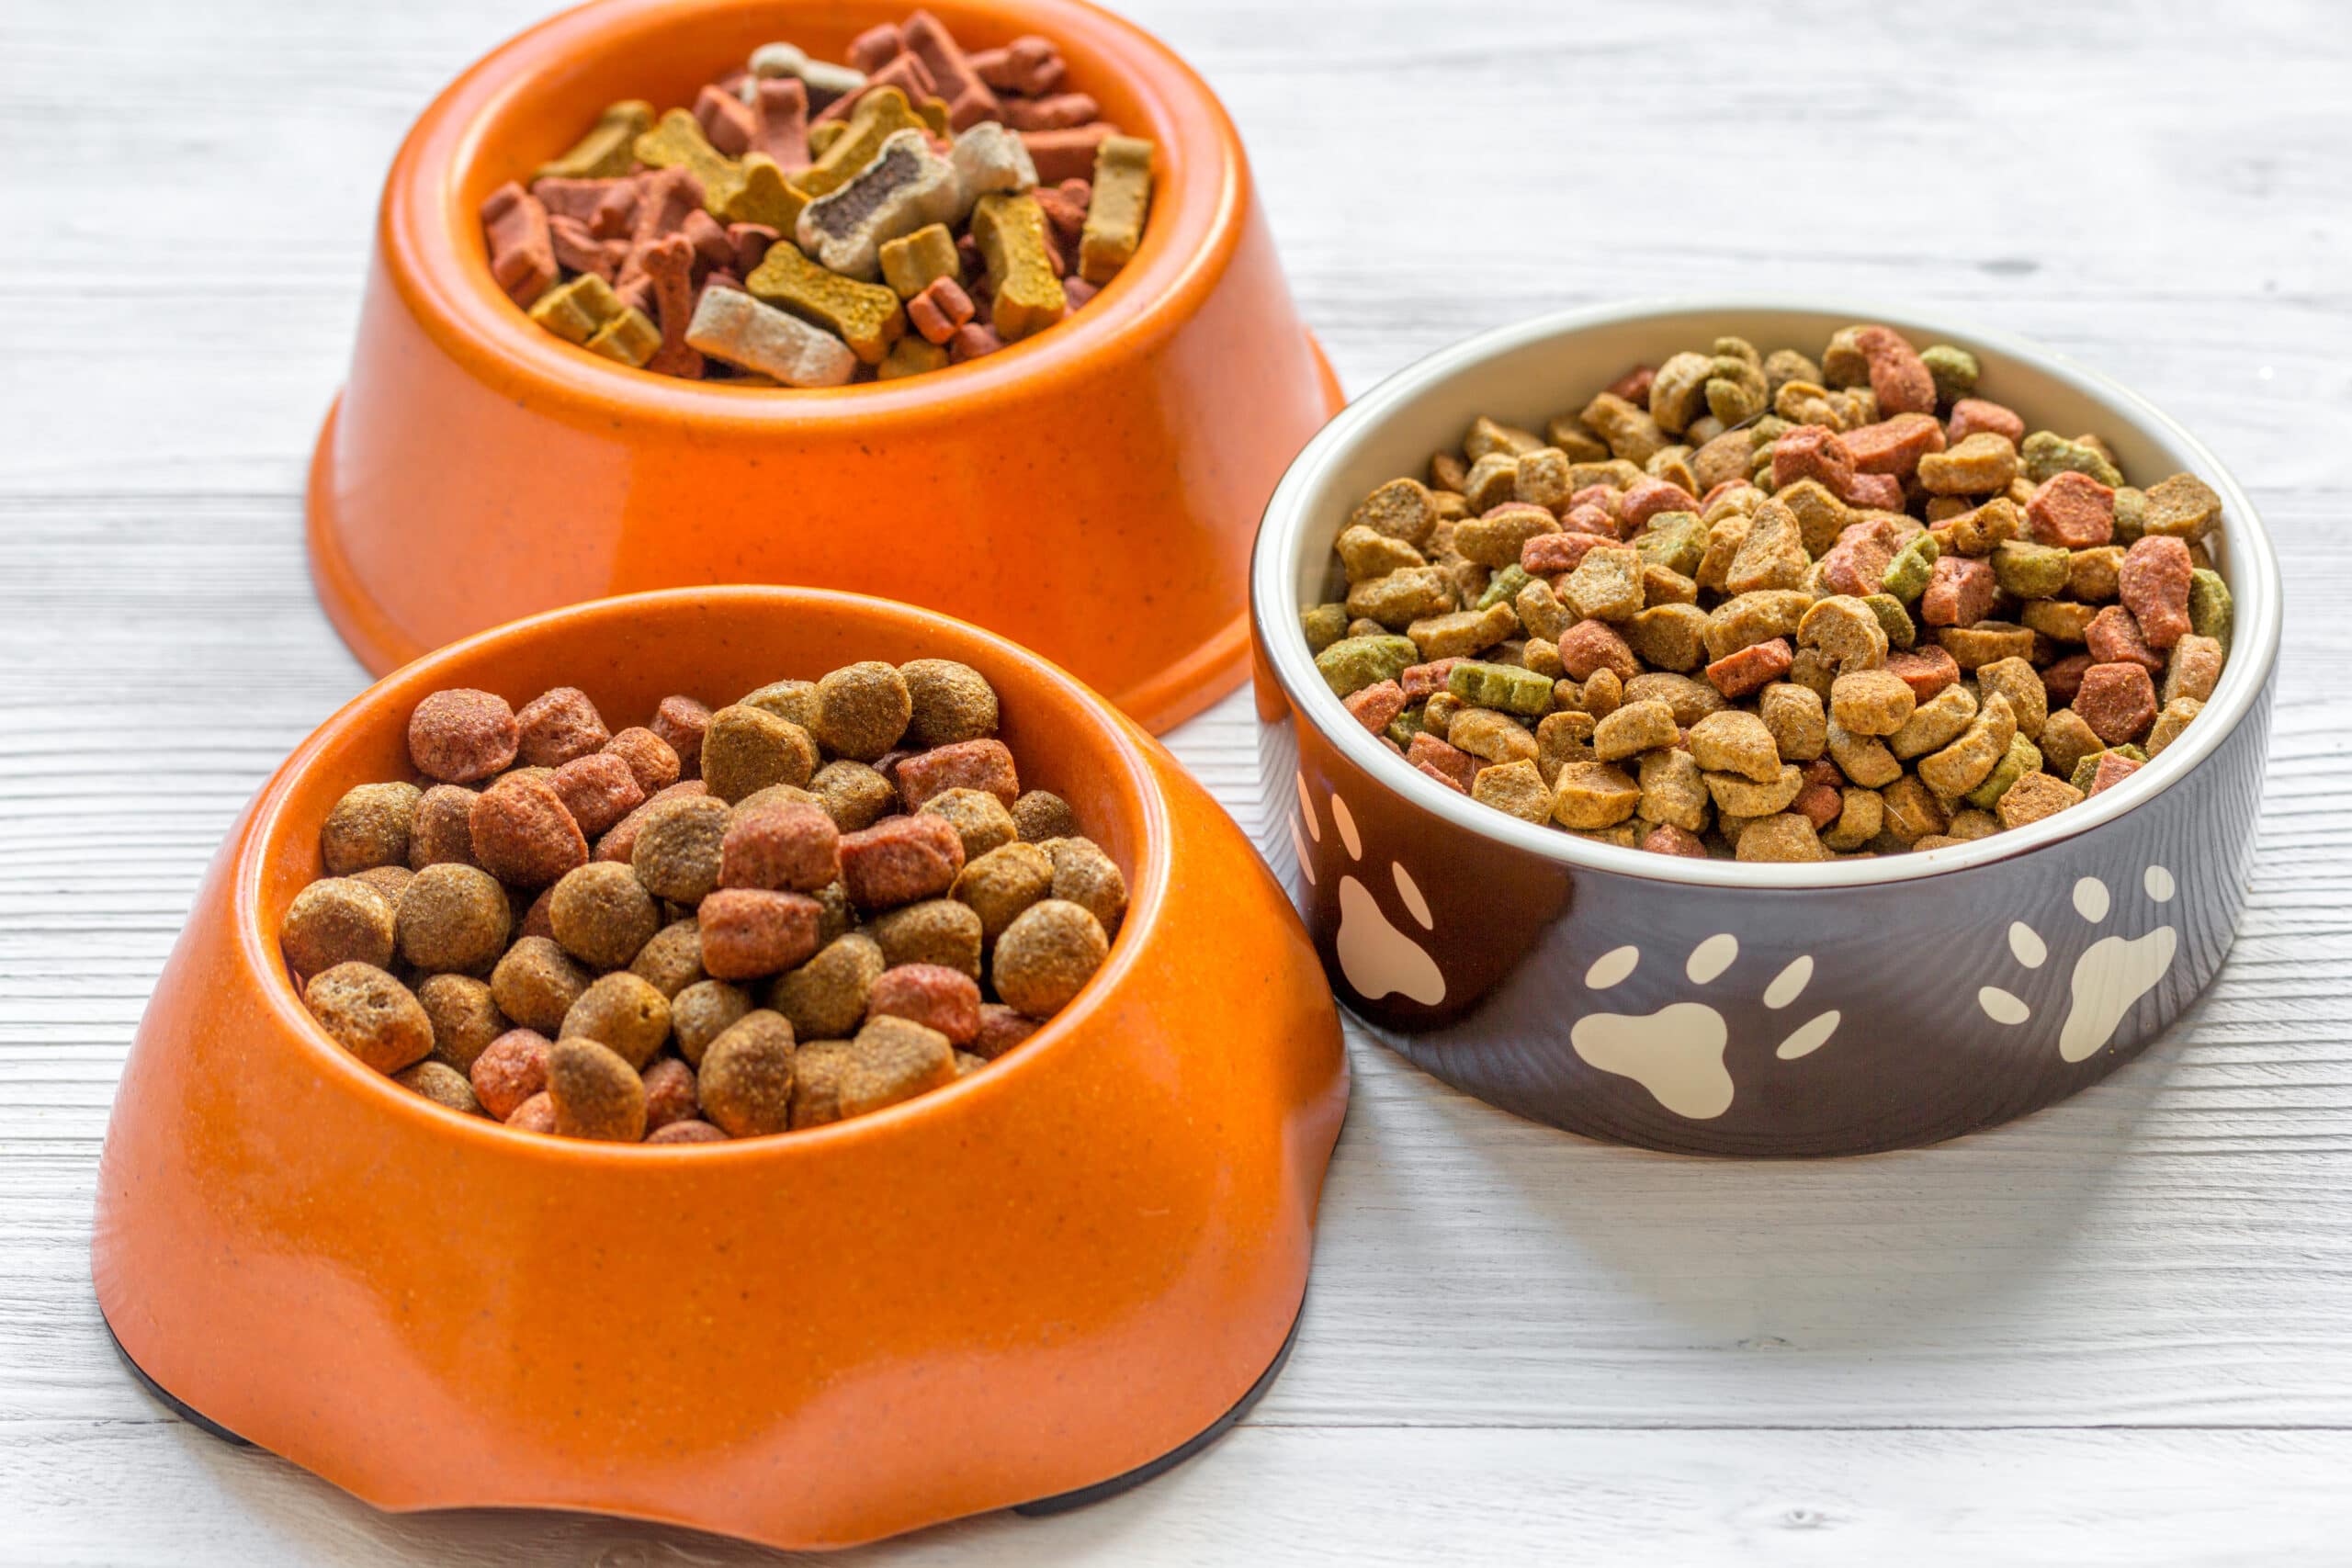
{"x": 1061, "y": 1503}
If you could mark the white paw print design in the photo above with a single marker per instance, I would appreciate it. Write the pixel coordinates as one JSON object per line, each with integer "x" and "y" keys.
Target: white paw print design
{"x": 2113, "y": 971}
{"x": 1378, "y": 958}
{"x": 1676, "y": 1053}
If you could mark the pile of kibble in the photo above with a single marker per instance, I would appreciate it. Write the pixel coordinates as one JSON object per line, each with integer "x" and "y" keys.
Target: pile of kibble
{"x": 1762, "y": 605}
{"x": 808, "y": 224}
{"x": 824, "y": 898}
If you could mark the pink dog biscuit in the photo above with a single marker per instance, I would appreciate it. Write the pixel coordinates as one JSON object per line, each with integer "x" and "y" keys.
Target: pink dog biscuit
{"x": 727, "y": 122}
{"x": 780, "y": 121}
{"x": 1067, "y": 154}
{"x": 1029, "y": 65}
{"x": 669, "y": 266}
{"x": 521, "y": 252}
{"x": 1060, "y": 112}
{"x": 941, "y": 309}
{"x": 968, "y": 98}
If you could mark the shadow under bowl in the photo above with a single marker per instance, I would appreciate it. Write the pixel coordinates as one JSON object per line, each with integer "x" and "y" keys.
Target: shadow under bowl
{"x": 477, "y": 468}
{"x": 1707, "y": 1006}
{"x": 1037, "y": 1279}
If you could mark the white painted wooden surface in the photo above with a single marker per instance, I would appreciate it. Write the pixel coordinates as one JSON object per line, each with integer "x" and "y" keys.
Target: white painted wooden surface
{"x": 2120, "y": 1332}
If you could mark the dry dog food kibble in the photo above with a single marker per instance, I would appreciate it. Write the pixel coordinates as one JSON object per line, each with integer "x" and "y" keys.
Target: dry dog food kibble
{"x": 810, "y": 224}
{"x": 838, "y": 896}
{"x": 1765, "y": 606}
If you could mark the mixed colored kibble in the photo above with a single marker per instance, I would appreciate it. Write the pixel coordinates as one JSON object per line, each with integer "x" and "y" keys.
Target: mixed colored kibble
{"x": 810, "y": 224}
{"x": 824, "y": 898}
{"x": 1762, "y": 605}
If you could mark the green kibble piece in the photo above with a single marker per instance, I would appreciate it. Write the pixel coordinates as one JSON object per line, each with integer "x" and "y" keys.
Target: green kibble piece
{"x": 2210, "y": 613}
{"x": 2030, "y": 571}
{"x": 2024, "y": 757}
{"x": 1893, "y": 619}
{"x": 1405, "y": 724}
{"x": 1324, "y": 624}
{"x": 1675, "y": 540}
{"x": 2048, "y": 455}
{"x": 1954, "y": 370}
{"x": 1504, "y": 586}
{"x": 1500, "y": 687}
{"x": 1907, "y": 575}
{"x": 1353, "y": 663}
{"x": 2131, "y": 515}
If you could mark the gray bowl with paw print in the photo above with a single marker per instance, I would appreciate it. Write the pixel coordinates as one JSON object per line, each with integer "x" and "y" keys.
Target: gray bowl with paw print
{"x": 1709, "y": 1006}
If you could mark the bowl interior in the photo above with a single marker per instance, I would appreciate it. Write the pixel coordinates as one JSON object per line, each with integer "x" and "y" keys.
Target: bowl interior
{"x": 535, "y": 96}
{"x": 1525, "y": 374}
{"x": 715, "y": 646}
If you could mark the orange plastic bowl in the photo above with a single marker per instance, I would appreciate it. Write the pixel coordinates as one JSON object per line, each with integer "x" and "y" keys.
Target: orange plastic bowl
{"x": 1044, "y": 1276}
{"x": 1091, "y": 493}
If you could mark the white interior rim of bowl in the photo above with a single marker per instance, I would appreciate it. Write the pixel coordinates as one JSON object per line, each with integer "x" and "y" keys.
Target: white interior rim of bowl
{"x": 2255, "y": 590}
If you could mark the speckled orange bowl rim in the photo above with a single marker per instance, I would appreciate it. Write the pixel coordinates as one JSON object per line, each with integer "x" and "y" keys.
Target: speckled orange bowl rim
{"x": 1040, "y": 1278}
{"x": 477, "y": 467}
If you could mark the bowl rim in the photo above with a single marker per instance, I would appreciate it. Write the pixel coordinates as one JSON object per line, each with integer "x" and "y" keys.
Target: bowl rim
{"x": 432, "y": 249}
{"x": 2255, "y": 593}
{"x": 268, "y": 821}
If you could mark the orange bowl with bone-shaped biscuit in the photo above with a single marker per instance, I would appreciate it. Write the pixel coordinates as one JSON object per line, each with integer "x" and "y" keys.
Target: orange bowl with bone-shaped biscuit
{"x": 1090, "y": 490}
{"x": 1050, "y": 1278}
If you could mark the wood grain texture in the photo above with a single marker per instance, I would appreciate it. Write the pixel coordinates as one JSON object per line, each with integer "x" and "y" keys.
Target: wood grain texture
{"x": 2121, "y": 1331}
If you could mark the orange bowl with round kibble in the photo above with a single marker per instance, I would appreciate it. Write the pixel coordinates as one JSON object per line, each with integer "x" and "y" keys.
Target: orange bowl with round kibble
{"x": 1067, "y": 1268}
{"x": 1090, "y": 492}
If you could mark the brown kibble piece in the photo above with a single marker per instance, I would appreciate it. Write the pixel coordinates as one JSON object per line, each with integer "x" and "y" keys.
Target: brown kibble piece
{"x": 442, "y": 1084}
{"x": 510, "y": 1070}
{"x": 863, "y": 710}
{"x": 670, "y": 959}
{"x": 337, "y": 920}
{"x": 748, "y": 749}
{"x": 648, "y": 756}
{"x": 453, "y": 918}
{"x": 984, "y": 764}
{"x": 791, "y": 848}
{"x": 751, "y": 931}
{"x": 465, "y": 1018}
{"x": 595, "y": 1092}
{"x": 979, "y": 818}
{"x": 602, "y": 915}
{"x": 371, "y": 1015}
{"x": 598, "y": 789}
{"x": 441, "y": 832}
{"x": 1040, "y": 814}
{"x": 947, "y": 703}
{"x": 1049, "y": 951}
{"x": 536, "y": 984}
{"x": 670, "y": 1094}
{"x": 621, "y": 1010}
{"x": 688, "y": 1131}
{"x": 745, "y": 1077}
{"x": 825, "y": 998}
{"x": 893, "y": 1059}
{"x": 679, "y": 724}
{"x": 461, "y": 735}
{"x": 369, "y": 827}
{"x": 941, "y": 999}
{"x": 1085, "y": 875}
{"x": 522, "y": 833}
{"x": 854, "y": 795}
{"x": 702, "y": 1012}
{"x": 900, "y": 859}
{"x": 557, "y": 726}
{"x": 1001, "y": 883}
{"x": 1001, "y": 1028}
{"x": 679, "y": 846}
